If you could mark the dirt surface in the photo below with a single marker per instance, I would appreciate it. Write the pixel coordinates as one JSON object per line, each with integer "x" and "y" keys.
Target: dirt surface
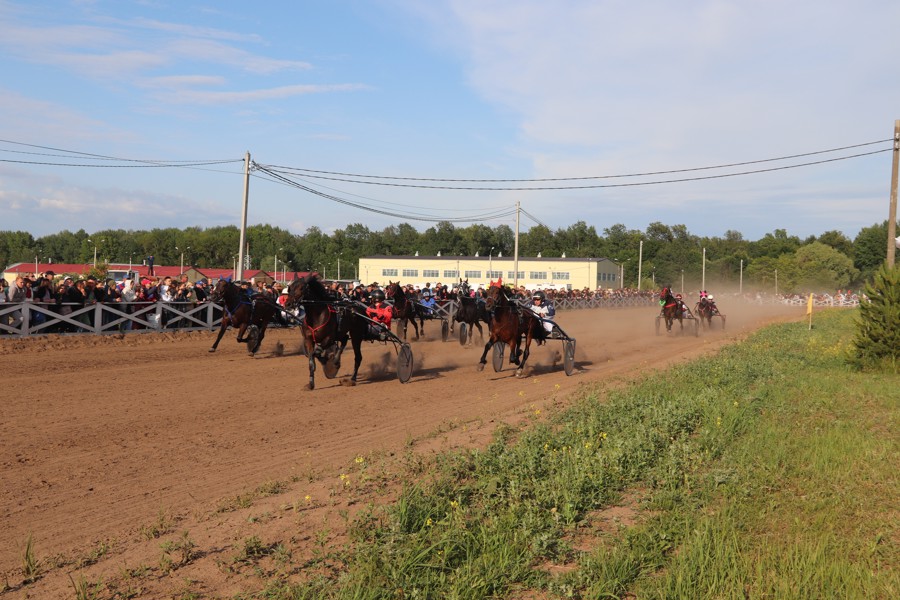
{"x": 113, "y": 446}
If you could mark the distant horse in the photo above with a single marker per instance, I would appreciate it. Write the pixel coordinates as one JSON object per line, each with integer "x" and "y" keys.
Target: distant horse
{"x": 671, "y": 309}
{"x": 471, "y": 312}
{"x": 706, "y": 310}
{"x": 242, "y": 312}
{"x": 405, "y": 309}
{"x": 326, "y": 326}
{"x": 511, "y": 325}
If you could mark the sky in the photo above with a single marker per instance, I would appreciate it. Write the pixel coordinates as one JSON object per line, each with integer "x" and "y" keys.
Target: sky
{"x": 629, "y": 109}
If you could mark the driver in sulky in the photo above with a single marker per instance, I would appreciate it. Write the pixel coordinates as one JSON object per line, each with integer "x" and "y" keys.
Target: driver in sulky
{"x": 380, "y": 312}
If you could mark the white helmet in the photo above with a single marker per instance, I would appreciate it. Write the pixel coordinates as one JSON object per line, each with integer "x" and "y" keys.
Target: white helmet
{"x": 709, "y": 296}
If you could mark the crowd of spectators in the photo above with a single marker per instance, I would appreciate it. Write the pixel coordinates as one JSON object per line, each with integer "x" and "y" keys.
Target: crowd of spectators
{"x": 64, "y": 295}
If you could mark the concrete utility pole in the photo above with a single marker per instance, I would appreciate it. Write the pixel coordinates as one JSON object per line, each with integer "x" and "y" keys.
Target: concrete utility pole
{"x": 239, "y": 269}
{"x": 892, "y": 213}
{"x": 516, "y": 252}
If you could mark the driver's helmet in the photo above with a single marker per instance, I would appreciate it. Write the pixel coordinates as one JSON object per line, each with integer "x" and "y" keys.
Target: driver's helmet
{"x": 539, "y": 296}
{"x": 709, "y": 296}
{"x": 678, "y": 296}
{"x": 426, "y": 293}
{"x": 377, "y": 296}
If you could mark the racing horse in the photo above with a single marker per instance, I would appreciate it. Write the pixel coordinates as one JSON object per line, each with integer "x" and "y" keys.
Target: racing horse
{"x": 405, "y": 308}
{"x": 326, "y": 326}
{"x": 706, "y": 310}
{"x": 671, "y": 309}
{"x": 512, "y": 324}
{"x": 471, "y": 312}
{"x": 250, "y": 315}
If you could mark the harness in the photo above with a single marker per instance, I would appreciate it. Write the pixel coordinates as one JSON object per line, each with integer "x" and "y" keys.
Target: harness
{"x": 313, "y": 330}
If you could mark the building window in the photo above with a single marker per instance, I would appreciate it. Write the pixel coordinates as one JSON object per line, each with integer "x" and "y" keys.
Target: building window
{"x": 473, "y": 274}
{"x": 539, "y": 275}
{"x": 410, "y": 272}
{"x": 564, "y": 276}
{"x": 451, "y": 274}
{"x": 512, "y": 275}
{"x": 389, "y": 272}
{"x": 430, "y": 273}
{"x": 494, "y": 274}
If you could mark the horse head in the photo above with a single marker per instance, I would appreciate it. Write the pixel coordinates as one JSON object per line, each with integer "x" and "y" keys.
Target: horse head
{"x": 306, "y": 288}
{"x": 496, "y": 296}
{"x": 224, "y": 291}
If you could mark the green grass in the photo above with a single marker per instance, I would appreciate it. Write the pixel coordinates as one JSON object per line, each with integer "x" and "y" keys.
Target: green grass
{"x": 767, "y": 471}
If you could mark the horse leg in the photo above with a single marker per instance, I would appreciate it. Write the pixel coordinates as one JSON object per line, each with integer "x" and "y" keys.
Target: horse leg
{"x": 241, "y": 331}
{"x": 357, "y": 357}
{"x": 219, "y": 337}
{"x": 521, "y": 370}
{"x": 477, "y": 324}
{"x": 312, "y": 368}
{"x": 487, "y": 348}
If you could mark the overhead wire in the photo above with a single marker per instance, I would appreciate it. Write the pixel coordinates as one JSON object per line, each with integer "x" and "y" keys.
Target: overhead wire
{"x": 646, "y": 174}
{"x": 284, "y": 170}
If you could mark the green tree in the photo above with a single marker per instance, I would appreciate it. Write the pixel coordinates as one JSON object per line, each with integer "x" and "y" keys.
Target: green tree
{"x": 870, "y": 249}
{"x": 820, "y": 267}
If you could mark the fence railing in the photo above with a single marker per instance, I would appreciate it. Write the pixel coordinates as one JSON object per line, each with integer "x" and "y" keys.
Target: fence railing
{"x": 24, "y": 319}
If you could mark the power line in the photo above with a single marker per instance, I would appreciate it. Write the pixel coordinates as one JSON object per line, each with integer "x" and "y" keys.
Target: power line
{"x": 287, "y": 171}
{"x": 412, "y": 216}
{"x": 647, "y": 174}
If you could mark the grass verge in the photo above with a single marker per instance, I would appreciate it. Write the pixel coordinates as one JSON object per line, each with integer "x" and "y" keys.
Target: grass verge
{"x": 767, "y": 471}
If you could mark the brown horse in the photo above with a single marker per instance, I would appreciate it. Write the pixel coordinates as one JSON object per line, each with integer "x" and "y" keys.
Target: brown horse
{"x": 327, "y": 325}
{"x": 510, "y": 324}
{"x": 244, "y": 313}
{"x": 706, "y": 310}
{"x": 404, "y": 309}
{"x": 671, "y": 309}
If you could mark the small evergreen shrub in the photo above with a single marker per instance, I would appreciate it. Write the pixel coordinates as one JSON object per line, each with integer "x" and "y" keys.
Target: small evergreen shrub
{"x": 877, "y": 340}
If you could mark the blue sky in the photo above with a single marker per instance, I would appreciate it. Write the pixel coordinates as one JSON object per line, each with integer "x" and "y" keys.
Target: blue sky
{"x": 449, "y": 89}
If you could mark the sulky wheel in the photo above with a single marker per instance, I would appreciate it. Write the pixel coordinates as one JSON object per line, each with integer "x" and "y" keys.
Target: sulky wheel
{"x": 252, "y": 338}
{"x": 404, "y": 363}
{"x": 463, "y": 331}
{"x": 569, "y": 356}
{"x": 497, "y": 356}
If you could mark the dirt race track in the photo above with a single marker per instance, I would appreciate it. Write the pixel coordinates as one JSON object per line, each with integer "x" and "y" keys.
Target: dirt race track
{"x": 102, "y": 436}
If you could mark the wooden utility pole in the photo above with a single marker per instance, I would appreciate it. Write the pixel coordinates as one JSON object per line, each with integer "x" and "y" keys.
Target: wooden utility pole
{"x": 892, "y": 213}
{"x": 239, "y": 271}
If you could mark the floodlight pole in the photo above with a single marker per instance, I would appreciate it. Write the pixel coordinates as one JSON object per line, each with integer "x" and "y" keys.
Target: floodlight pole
{"x": 892, "y": 212}
{"x": 239, "y": 269}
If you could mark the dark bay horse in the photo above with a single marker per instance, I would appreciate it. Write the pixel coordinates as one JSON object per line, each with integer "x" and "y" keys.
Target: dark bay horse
{"x": 671, "y": 309}
{"x": 405, "y": 308}
{"x": 327, "y": 326}
{"x": 511, "y": 324}
{"x": 471, "y": 312}
{"x": 242, "y": 312}
{"x": 706, "y": 310}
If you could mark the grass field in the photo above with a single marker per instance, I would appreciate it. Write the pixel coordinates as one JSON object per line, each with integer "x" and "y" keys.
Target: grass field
{"x": 766, "y": 471}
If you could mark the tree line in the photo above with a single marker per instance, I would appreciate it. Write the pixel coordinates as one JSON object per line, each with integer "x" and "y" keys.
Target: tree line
{"x": 670, "y": 252}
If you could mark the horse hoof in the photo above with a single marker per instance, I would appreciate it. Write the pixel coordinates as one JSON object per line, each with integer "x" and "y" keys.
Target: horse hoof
{"x": 212, "y": 349}
{"x": 519, "y": 372}
{"x": 481, "y": 366}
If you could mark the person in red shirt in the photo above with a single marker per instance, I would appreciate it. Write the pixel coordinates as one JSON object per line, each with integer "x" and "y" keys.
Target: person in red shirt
{"x": 380, "y": 312}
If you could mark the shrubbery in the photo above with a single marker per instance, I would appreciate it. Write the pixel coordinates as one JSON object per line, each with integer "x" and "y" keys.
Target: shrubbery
{"x": 878, "y": 337}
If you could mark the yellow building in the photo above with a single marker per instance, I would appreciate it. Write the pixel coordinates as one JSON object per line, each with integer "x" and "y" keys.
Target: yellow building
{"x": 534, "y": 272}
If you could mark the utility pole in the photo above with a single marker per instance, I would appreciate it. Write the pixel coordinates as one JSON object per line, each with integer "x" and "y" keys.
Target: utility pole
{"x": 516, "y": 259}
{"x": 640, "y": 262}
{"x": 703, "y": 283}
{"x": 239, "y": 270}
{"x": 892, "y": 213}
